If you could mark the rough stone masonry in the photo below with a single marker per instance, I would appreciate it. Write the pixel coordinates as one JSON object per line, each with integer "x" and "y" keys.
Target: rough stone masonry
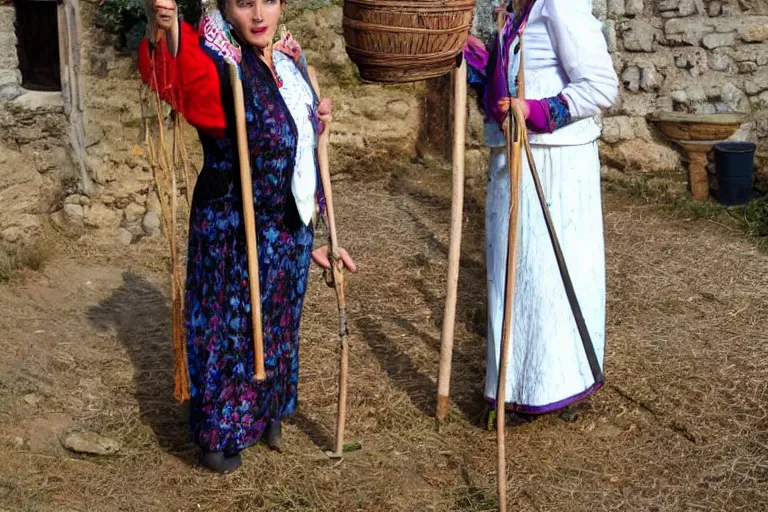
{"x": 34, "y": 159}
{"x": 693, "y": 56}
{"x": 671, "y": 55}
{"x": 688, "y": 56}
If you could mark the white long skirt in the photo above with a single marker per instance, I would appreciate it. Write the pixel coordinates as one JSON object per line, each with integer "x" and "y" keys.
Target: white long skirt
{"x": 548, "y": 368}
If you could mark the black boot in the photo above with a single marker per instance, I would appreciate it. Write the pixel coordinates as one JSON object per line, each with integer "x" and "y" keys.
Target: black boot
{"x": 574, "y": 412}
{"x": 220, "y": 462}
{"x": 518, "y": 419}
{"x": 511, "y": 419}
{"x": 275, "y": 435}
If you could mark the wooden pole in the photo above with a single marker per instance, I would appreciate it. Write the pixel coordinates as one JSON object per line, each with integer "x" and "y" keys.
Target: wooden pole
{"x": 337, "y": 273}
{"x": 337, "y": 270}
{"x": 515, "y": 143}
{"x": 514, "y": 162}
{"x": 249, "y": 221}
{"x": 454, "y": 251}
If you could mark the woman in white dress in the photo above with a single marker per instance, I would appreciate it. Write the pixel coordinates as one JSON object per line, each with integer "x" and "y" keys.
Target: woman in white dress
{"x": 569, "y": 79}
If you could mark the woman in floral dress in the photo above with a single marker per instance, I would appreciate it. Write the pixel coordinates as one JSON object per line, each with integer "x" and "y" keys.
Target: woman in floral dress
{"x": 229, "y": 410}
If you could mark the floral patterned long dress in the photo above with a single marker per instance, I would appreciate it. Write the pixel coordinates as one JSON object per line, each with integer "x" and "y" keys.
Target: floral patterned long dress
{"x": 229, "y": 411}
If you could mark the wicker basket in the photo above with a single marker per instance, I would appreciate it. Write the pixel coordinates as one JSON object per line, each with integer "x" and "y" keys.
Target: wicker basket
{"x": 405, "y": 40}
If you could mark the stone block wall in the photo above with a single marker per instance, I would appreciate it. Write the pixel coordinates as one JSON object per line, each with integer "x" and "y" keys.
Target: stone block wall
{"x": 10, "y": 76}
{"x": 688, "y": 56}
{"x": 698, "y": 56}
{"x": 34, "y": 149}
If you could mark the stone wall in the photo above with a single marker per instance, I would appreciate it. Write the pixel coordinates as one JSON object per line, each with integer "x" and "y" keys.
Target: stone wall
{"x": 34, "y": 159}
{"x": 696, "y": 56}
{"x": 123, "y": 204}
{"x": 10, "y": 76}
{"x": 688, "y": 56}
{"x": 80, "y": 171}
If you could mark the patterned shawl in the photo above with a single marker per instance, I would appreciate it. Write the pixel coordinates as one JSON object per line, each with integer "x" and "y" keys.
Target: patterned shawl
{"x": 495, "y": 63}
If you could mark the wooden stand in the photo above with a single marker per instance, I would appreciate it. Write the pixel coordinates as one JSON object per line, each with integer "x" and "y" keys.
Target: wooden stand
{"x": 696, "y": 134}
{"x": 698, "y": 178}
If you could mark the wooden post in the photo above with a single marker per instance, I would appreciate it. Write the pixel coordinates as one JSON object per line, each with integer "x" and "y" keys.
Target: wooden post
{"x": 69, "y": 27}
{"x": 454, "y": 252}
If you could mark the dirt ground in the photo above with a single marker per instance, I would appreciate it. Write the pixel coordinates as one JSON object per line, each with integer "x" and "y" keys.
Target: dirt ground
{"x": 681, "y": 425}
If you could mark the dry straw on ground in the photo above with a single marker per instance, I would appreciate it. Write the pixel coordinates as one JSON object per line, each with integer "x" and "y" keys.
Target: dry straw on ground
{"x": 681, "y": 425}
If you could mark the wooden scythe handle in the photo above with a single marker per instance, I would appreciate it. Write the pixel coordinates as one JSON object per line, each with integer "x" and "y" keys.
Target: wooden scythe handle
{"x": 516, "y": 122}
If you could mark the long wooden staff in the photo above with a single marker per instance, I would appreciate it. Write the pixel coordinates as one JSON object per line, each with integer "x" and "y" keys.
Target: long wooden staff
{"x": 337, "y": 276}
{"x": 454, "y": 251}
{"x": 515, "y": 134}
{"x": 249, "y": 221}
{"x": 515, "y": 164}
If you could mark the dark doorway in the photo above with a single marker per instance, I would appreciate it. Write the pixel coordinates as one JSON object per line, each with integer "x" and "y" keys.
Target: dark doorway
{"x": 37, "y": 33}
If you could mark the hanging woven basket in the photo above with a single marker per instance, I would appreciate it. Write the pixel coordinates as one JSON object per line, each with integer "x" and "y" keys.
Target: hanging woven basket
{"x": 395, "y": 41}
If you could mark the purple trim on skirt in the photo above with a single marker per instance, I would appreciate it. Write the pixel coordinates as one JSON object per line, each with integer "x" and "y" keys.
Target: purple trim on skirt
{"x": 546, "y": 409}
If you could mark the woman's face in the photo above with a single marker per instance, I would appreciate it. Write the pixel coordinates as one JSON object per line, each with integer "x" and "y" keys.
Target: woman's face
{"x": 255, "y": 21}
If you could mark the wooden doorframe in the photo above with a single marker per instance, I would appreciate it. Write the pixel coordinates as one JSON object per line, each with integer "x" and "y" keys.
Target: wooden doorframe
{"x": 72, "y": 86}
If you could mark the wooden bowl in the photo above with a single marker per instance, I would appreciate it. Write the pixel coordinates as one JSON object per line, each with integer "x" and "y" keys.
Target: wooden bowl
{"x": 680, "y": 126}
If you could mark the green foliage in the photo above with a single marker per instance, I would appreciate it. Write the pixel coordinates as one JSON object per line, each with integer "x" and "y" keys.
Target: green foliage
{"x": 128, "y": 19}
{"x": 756, "y": 215}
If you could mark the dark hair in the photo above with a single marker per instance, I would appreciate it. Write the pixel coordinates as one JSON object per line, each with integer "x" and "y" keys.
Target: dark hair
{"x": 221, "y": 4}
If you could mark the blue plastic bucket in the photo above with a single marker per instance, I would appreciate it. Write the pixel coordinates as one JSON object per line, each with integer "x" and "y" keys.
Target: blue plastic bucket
{"x": 734, "y": 165}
